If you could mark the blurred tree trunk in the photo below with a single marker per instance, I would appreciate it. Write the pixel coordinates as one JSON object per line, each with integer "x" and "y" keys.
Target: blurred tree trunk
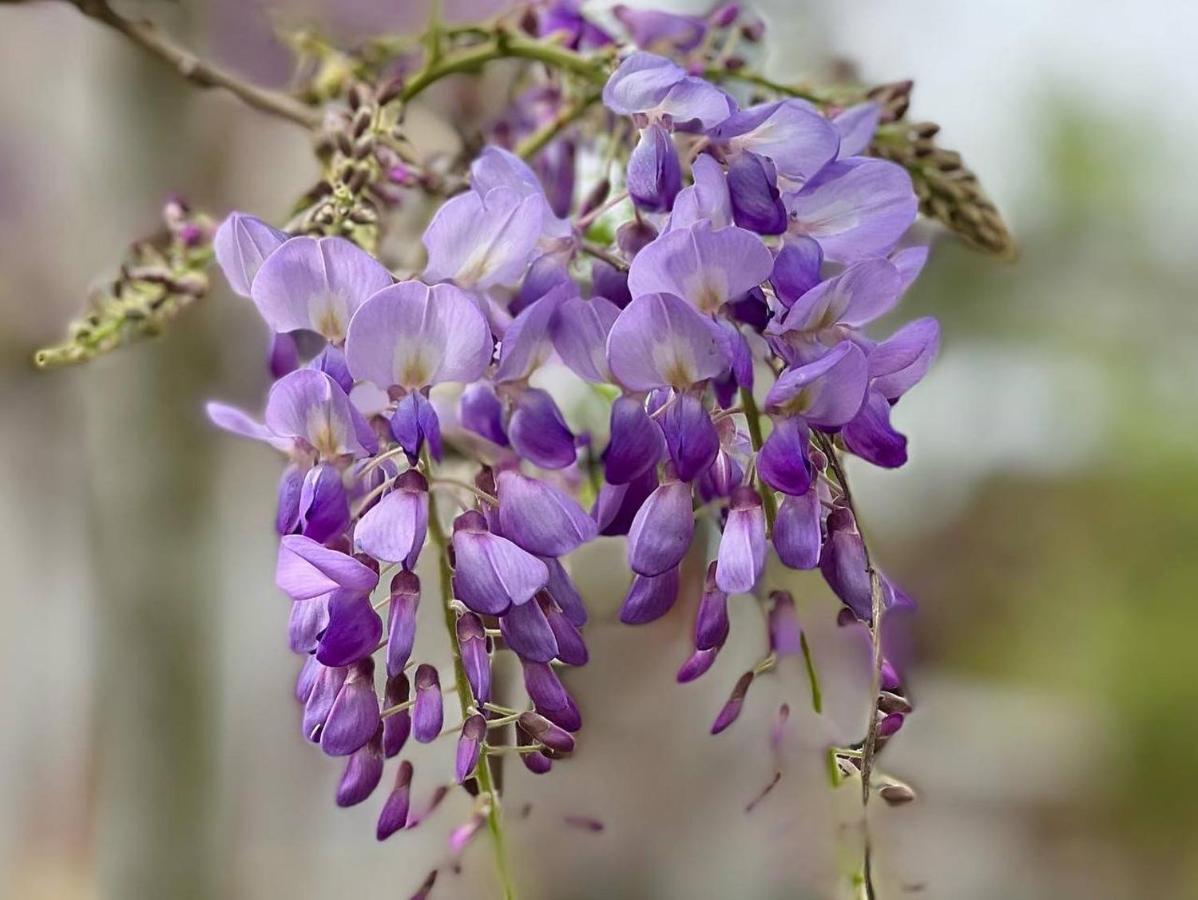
{"x": 151, "y": 468}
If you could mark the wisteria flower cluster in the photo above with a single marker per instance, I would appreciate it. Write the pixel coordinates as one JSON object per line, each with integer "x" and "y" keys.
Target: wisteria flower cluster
{"x": 718, "y": 286}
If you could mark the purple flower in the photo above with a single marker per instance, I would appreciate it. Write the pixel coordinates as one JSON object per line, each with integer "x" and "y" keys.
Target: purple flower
{"x": 362, "y": 774}
{"x": 526, "y": 630}
{"x": 706, "y": 199}
{"x": 495, "y": 168}
{"x": 427, "y": 711}
{"x": 654, "y": 171}
{"x": 711, "y": 619}
{"x": 649, "y": 597}
{"x": 563, "y": 592}
{"x": 470, "y": 745}
{"x": 307, "y": 569}
{"x": 662, "y": 530}
{"x": 549, "y": 696}
{"x": 528, "y": 340}
{"x": 242, "y": 244}
{"x": 472, "y": 645}
{"x": 480, "y": 411}
{"x": 353, "y": 630}
{"x": 412, "y": 336}
{"x": 316, "y": 284}
{"x": 855, "y": 208}
{"x": 401, "y": 621}
{"x": 797, "y": 530}
{"x": 656, "y": 89}
{"x": 398, "y": 725}
{"x": 742, "y": 545}
{"x": 796, "y": 268}
{"x": 539, "y": 432}
{"x": 691, "y": 438}
{"x": 730, "y": 711}
{"x": 540, "y": 518}
{"x": 565, "y": 18}
{"x": 660, "y": 341}
{"x": 636, "y": 442}
{"x": 782, "y": 462}
{"x": 394, "y": 815}
{"x": 856, "y": 126}
{"x": 482, "y": 241}
{"x": 705, "y": 265}
{"x": 414, "y": 423}
{"x": 827, "y": 393}
{"x": 753, "y": 189}
{"x": 393, "y": 530}
{"x": 791, "y": 133}
{"x": 323, "y": 508}
{"x": 664, "y": 32}
{"x": 353, "y": 716}
{"x": 541, "y": 729}
{"x": 490, "y": 572}
{"x": 571, "y": 649}
{"x": 579, "y": 332}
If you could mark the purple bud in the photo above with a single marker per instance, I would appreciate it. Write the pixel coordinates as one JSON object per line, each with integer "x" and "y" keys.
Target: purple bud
{"x": 539, "y": 433}
{"x": 394, "y": 815}
{"x": 283, "y": 356}
{"x": 778, "y": 729}
{"x": 331, "y": 361}
{"x": 461, "y": 836}
{"x": 690, "y": 436}
{"x": 742, "y": 545}
{"x": 570, "y": 646}
{"x": 654, "y": 172}
{"x": 472, "y": 645}
{"x": 731, "y": 709}
{"x": 697, "y": 664}
{"x": 610, "y": 283}
{"x": 890, "y": 676}
{"x": 491, "y": 573}
{"x": 434, "y": 801}
{"x": 527, "y": 632}
{"x": 711, "y": 620}
{"x": 843, "y": 564}
{"x": 394, "y": 529}
{"x": 649, "y": 597}
{"x": 662, "y": 531}
{"x": 634, "y": 236}
{"x": 563, "y": 592}
{"x": 362, "y": 774}
{"x": 636, "y": 442}
{"x": 480, "y": 411}
{"x": 401, "y": 621}
{"x": 786, "y": 637}
{"x": 397, "y": 726}
{"x": 541, "y": 729}
{"x": 720, "y": 477}
{"x": 323, "y": 505}
{"x": 753, "y": 189}
{"x": 783, "y": 462}
{"x": 427, "y": 711}
{"x": 306, "y": 679}
{"x": 890, "y": 725}
{"x": 326, "y": 685}
{"x": 291, "y": 486}
{"x": 474, "y": 732}
{"x": 353, "y": 632}
{"x": 797, "y": 530}
{"x": 354, "y": 716}
{"x": 617, "y": 504}
{"x": 414, "y": 422}
{"x": 549, "y": 696}
{"x": 724, "y": 15}
{"x": 796, "y": 268}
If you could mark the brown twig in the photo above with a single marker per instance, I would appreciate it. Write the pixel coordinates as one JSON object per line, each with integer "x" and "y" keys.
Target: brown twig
{"x": 203, "y": 74}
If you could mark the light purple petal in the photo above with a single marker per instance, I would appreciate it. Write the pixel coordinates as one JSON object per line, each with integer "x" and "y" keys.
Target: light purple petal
{"x": 479, "y": 241}
{"x": 827, "y": 392}
{"x": 414, "y": 336}
{"x": 792, "y": 133}
{"x": 491, "y": 573}
{"x": 527, "y": 632}
{"x": 706, "y": 199}
{"x": 856, "y": 126}
{"x": 496, "y": 167}
{"x": 640, "y": 84}
{"x": 238, "y": 422}
{"x": 861, "y": 293}
{"x": 741, "y": 557}
{"x": 636, "y": 443}
{"x": 316, "y": 284}
{"x": 855, "y": 208}
{"x": 707, "y": 266}
{"x": 540, "y": 518}
{"x": 652, "y": 29}
{"x": 394, "y": 530}
{"x": 306, "y": 569}
{"x": 242, "y": 244}
{"x": 309, "y": 405}
{"x": 579, "y": 332}
{"x": 797, "y": 530}
{"x": 654, "y": 175}
{"x": 662, "y": 531}
{"x": 661, "y": 341}
{"x": 401, "y": 621}
{"x": 528, "y": 341}
{"x": 898, "y": 363}
{"x": 354, "y": 716}
{"x": 910, "y": 262}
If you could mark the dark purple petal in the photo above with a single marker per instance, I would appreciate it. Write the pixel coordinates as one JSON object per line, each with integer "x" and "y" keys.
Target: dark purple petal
{"x": 563, "y": 592}
{"x": 636, "y": 443}
{"x": 414, "y": 422}
{"x": 792, "y": 133}
{"x": 528, "y": 340}
{"x": 711, "y": 620}
{"x": 720, "y": 477}
{"x": 527, "y": 632}
{"x": 326, "y": 685}
{"x": 353, "y": 632}
{"x": 654, "y": 171}
{"x": 309, "y": 569}
{"x": 480, "y": 411}
{"x": 538, "y": 431}
{"x": 571, "y": 649}
{"x": 397, "y": 726}
{"x": 890, "y": 725}
{"x": 731, "y": 709}
{"x": 662, "y": 530}
{"x": 291, "y": 486}
{"x": 843, "y": 564}
{"x": 354, "y": 715}
{"x": 871, "y": 436}
{"x": 742, "y": 546}
{"x": 394, "y": 815}
{"x": 427, "y": 712}
{"x": 610, "y": 283}
{"x": 491, "y": 573}
{"x": 539, "y": 517}
{"x": 470, "y": 745}
{"x": 783, "y": 463}
{"x": 753, "y": 188}
{"x": 549, "y": 696}
{"x": 242, "y": 244}
{"x": 472, "y": 645}
{"x": 283, "y": 356}
{"x": 617, "y": 504}
{"x": 649, "y": 597}
{"x": 691, "y": 438}
{"x": 796, "y": 268}
{"x": 362, "y": 773}
{"x": 797, "y": 530}
{"x": 323, "y": 505}
{"x": 541, "y": 729}
{"x": 331, "y": 361}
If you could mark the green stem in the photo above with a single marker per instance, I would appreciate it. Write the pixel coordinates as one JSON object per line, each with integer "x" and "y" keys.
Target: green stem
{"x": 486, "y": 781}
{"x": 768, "y": 501}
{"x": 817, "y": 696}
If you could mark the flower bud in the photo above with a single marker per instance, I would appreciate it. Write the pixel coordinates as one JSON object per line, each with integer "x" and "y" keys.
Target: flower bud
{"x": 427, "y": 713}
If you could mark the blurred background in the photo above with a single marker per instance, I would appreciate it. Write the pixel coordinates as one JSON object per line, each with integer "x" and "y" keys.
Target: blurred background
{"x": 1046, "y": 523}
